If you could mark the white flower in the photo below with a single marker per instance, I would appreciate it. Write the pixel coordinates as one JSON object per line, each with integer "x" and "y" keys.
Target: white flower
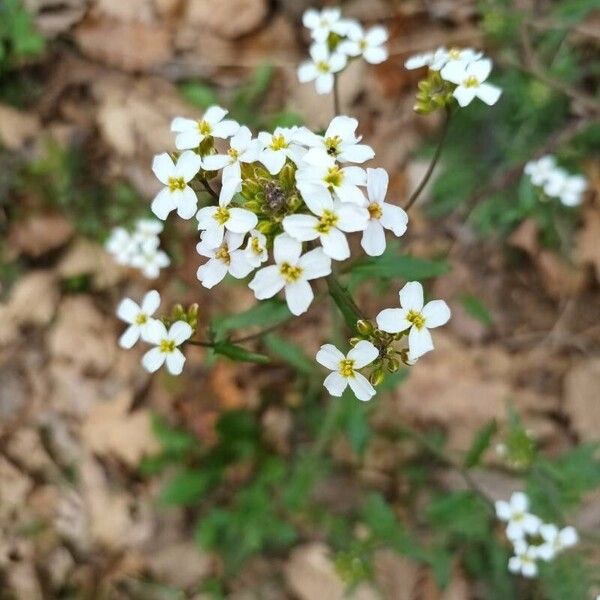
{"x": 166, "y": 346}
{"x": 333, "y": 218}
{"x": 418, "y": 61}
{"x": 369, "y": 44}
{"x": 256, "y": 249}
{"x": 540, "y": 170}
{"x": 442, "y": 57}
{"x": 470, "y": 80}
{"x": 524, "y": 560}
{"x": 416, "y": 317}
{"x": 151, "y": 262}
{"x": 515, "y": 513}
{"x": 345, "y": 369}
{"x": 322, "y": 23}
{"x": 146, "y": 234}
{"x": 291, "y": 272}
{"x": 242, "y": 149}
{"x": 214, "y": 220}
{"x": 321, "y": 67}
{"x": 279, "y": 146}
{"x": 121, "y": 245}
{"x": 339, "y": 142}
{"x": 138, "y": 317}
{"x": 191, "y": 133}
{"x": 382, "y": 215}
{"x": 177, "y": 194}
{"x": 568, "y": 188}
{"x": 555, "y": 540}
{"x": 317, "y": 183}
{"x": 227, "y": 258}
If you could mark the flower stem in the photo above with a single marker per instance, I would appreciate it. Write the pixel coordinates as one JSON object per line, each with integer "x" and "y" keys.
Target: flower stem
{"x": 344, "y": 301}
{"x": 336, "y": 96}
{"x": 209, "y": 189}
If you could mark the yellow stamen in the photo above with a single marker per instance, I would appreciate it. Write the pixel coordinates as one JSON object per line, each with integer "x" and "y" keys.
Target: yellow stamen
{"x": 322, "y": 66}
{"x": 289, "y": 272}
{"x": 278, "y": 142}
{"x": 454, "y": 53}
{"x": 471, "y": 81}
{"x": 141, "y": 319}
{"x": 332, "y": 145}
{"x": 221, "y": 215}
{"x": 416, "y": 318}
{"x": 334, "y": 177}
{"x": 375, "y": 211}
{"x": 204, "y": 128}
{"x": 167, "y": 346}
{"x": 347, "y": 367}
{"x": 176, "y": 183}
{"x": 233, "y": 153}
{"x": 222, "y": 254}
{"x": 255, "y": 245}
{"x": 327, "y": 221}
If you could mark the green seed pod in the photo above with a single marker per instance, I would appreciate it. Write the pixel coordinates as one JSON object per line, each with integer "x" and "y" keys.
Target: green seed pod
{"x": 377, "y": 377}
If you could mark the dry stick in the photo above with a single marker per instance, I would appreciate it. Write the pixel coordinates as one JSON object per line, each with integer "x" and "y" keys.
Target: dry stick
{"x": 209, "y": 189}
{"x": 239, "y": 340}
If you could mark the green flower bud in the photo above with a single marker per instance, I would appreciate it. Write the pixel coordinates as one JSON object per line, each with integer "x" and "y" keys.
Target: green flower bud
{"x": 377, "y": 377}
{"x": 364, "y": 327}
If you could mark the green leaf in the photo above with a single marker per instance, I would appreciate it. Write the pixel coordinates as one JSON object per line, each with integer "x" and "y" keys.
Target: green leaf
{"x": 289, "y": 353}
{"x": 354, "y": 422}
{"x": 173, "y": 441}
{"x": 476, "y": 308}
{"x": 187, "y": 487}
{"x": 460, "y": 513}
{"x": 285, "y": 118}
{"x": 480, "y": 444}
{"x": 393, "y": 380}
{"x": 567, "y": 576}
{"x": 199, "y": 94}
{"x": 263, "y": 313}
{"x": 393, "y": 266}
{"x": 341, "y": 296}
{"x": 239, "y": 353}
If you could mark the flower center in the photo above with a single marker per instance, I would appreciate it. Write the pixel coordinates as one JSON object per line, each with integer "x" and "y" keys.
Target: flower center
{"x": 334, "y": 177}
{"x": 454, "y": 53}
{"x": 518, "y": 517}
{"x": 167, "y": 346}
{"x": 204, "y": 128}
{"x": 141, "y": 319}
{"x": 471, "y": 81}
{"x": 255, "y": 245}
{"x": 362, "y": 45}
{"x": 233, "y": 153}
{"x": 375, "y": 211}
{"x": 289, "y": 272}
{"x": 347, "y": 367}
{"x": 322, "y": 66}
{"x": 416, "y": 318}
{"x": 278, "y": 142}
{"x": 327, "y": 221}
{"x": 332, "y": 145}
{"x": 221, "y": 215}
{"x": 222, "y": 254}
{"x": 176, "y": 183}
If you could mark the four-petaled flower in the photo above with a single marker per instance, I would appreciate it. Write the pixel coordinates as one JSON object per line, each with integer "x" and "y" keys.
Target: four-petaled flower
{"x": 515, "y": 513}
{"x": 321, "y": 67}
{"x": 345, "y": 369}
{"x": 524, "y": 560}
{"x": 176, "y": 194}
{"x": 226, "y": 258}
{"x": 382, "y": 215}
{"x": 191, "y": 133}
{"x": 567, "y": 188}
{"x": 368, "y": 44}
{"x": 540, "y": 170}
{"x": 121, "y": 245}
{"x": 256, "y": 249}
{"x": 214, "y": 220}
{"x": 292, "y": 272}
{"x": 279, "y": 146}
{"x": 138, "y": 317}
{"x": 415, "y": 317}
{"x": 166, "y": 346}
{"x": 555, "y": 540}
{"x": 470, "y": 79}
{"x": 322, "y": 23}
{"x": 150, "y": 262}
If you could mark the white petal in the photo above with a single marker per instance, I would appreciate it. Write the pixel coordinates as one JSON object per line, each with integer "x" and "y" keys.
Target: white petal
{"x": 377, "y": 184}
{"x": 377, "y": 35}
{"x": 351, "y": 217}
{"x": 187, "y": 202}
{"x": 181, "y": 124}
{"x": 316, "y": 197}
{"x": 188, "y": 140}
{"x": 273, "y": 160}
{"x": 188, "y": 165}
{"x": 531, "y": 524}
{"x": 342, "y": 126}
{"x": 503, "y": 510}
{"x": 163, "y": 203}
{"x": 180, "y": 331}
{"x": 130, "y": 336}
{"x": 568, "y": 536}
{"x": 373, "y": 238}
{"x": 514, "y": 531}
{"x": 230, "y": 187}
{"x": 361, "y": 387}
{"x": 153, "y": 360}
{"x": 335, "y": 244}
{"x": 211, "y": 238}
{"x": 286, "y": 249}
{"x": 151, "y": 302}
{"x": 225, "y": 129}
{"x": 214, "y": 114}
{"x": 329, "y": 356}
{"x": 519, "y": 502}
{"x": 311, "y": 18}
{"x": 216, "y": 162}
{"x": 394, "y": 218}
{"x": 307, "y": 71}
{"x": 335, "y": 384}
{"x": 205, "y": 217}
{"x": 436, "y": 313}
{"x": 241, "y": 220}
{"x": 454, "y": 71}
{"x": 155, "y": 331}
{"x": 324, "y": 83}
{"x": 299, "y": 296}
{"x": 464, "y": 95}
{"x": 239, "y": 267}
{"x": 411, "y": 296}
{"x": 529, "y": 569}
{"x": 349, "y": 48}
{"x": 267, "y": 282}
{"x": 337, "y": 62}
{"x": 375, "y": 55}
{"x": 480, "y": 69}
{"x": 348, "y": 192}
{"x": 355, "y": 175}
{"x": 314, "y": 264}
{"x": 163, "y": 167}
{"x": 301, "y": 227}
{"x": 514, "y": 564}
{"x": 393, "y": 320}
{"x": 489, "y": 93}
{"x": 211, "y": 273}
{"x": 363, "y": 354}
{"x": 175, "y": 362}
{"x": 419, "y": 341}
{"x": 128, "y": 310}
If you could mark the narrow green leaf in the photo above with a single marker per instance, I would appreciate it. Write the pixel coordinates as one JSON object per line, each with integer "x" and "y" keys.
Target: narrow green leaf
{"x": 477, "y": 309}
{"x": 480, "y": 444}
{"x": 239, "y": 353}
{"x": 392, "y": 266}
{"x": 186, "y": 488}
{"x": 198, "y": 94}
{"x": 344, "y": 302}
{"x": 289, "y": 353}
{"x": 263, "y": 313}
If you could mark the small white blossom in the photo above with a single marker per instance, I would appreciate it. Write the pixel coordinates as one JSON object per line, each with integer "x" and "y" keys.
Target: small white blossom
{"x": 382, "y": 215}
{"x": 345, "y": 369}
{"x": 291, "y": 272}
{"x": 332, "y": 219}
{"x": 177, "y": 194}
{"x": 321, "y": 67}
{"x": 418, "y": 61}
{"x": 256, "y": 249}
{"x": 121, "y": 245}
{"x": 191, "y": 133}
{"x": 524, "y": 560}
{"x": 541, "y": 169}
{"x": 150, "y": 262}
{"x": 166, "y": 343}
{"x": 567, "y": 188}
{"x": 339, "y": 143}
{"x": 443, "y": 57}
{"x": 319, "y": 183}
{"x": 515, "y": 513}
{"x": 146, "y": 234}
{"x": 279, "y": 146}
{"x": 138, "y": 317}
{"x": 214, "y": 220}
{"x": 322, "y": 23}
{"x": 242, "y": 149}
{"x": 470, "y": 79}
{"x": 415, "y": 317}
{"x": 368, "y": 44}
{"x": 555, "y": 540}
{"x": 226, "y": 258}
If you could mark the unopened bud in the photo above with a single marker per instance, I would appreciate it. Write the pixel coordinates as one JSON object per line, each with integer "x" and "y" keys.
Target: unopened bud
{"x": 393, "y": 364}
{"x": 377, "y": 377}
{"x": 364, "y": 327}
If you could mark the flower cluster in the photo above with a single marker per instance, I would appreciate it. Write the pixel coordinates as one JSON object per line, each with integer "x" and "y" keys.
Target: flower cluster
{"x": 401, "y": 336}
{"x": 139, "y": 249}
{"x": 142, "y": 325}
{"x": 532, "y": 539}
{"x": 555, "y": 181}
{"x": 459, "y": 73}
{"x": 337, "y": 40}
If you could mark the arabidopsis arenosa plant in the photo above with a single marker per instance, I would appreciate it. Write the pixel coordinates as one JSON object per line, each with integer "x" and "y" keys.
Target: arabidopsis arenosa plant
{"x": 191, "y": 133}
{"x": 540, "y": 170}
{"x": 324, "y": 22}
{"x": 441, "y": 57}
{"x": 555, "y": 181}
{"x": 280, "y": 145}
{"x": 214, "y": 220}
{"x": 368, "y": 44}
{"x": 555, "y": 540}
{"x": 524, "y": 560}
{"x": 228, "y": 257}
{"x": 138, "y": 317}
{"x": 470, "y": 79}
{"x": 146, "y": 234}
{"x": 121, "y": 245}
{"x": 321, "y": 67}
{"x": 519, "y": 521}
{"x": 256, "y": 249}
{"x": 166, "y": 346}
{"x": 415, "y": 317}
{"x": 345, "y": 369}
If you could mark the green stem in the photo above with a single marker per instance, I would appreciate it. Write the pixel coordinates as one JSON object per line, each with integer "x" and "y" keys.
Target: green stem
{"x": 336, "y": 96}
{"x": 344, "y": 301}
{"x": 327, "y": 428}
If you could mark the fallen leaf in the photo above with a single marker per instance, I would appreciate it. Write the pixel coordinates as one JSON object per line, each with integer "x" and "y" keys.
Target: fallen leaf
{"x": 230, "y": 19}
{"x": 39, "y": 234}
{"x": 587, "y": 248}
{"x": 560, "y": 278}
{"x": 581, "y": 402}
{"x": 34, "y": 298}
{"x": 53, "y": 17}
{"x": 17, "y": 127}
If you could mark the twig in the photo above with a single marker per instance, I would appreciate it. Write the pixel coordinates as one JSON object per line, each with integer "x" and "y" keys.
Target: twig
{"x": 336, "y": 96}
{"x": 209, "y": 189}
{"x": 240, "y": 340}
